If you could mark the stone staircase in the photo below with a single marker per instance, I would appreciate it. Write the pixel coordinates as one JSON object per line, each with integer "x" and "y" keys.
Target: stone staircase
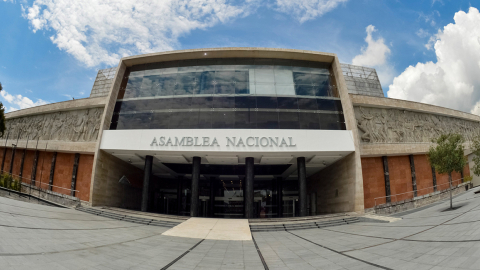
{"x": 303, "y": 225}
{"x": 129, "y": 218}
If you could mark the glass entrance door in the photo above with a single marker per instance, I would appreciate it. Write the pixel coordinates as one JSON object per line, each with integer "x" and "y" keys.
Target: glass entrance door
{"x": 290, "y": 205}
{"x": 229, "y": 199}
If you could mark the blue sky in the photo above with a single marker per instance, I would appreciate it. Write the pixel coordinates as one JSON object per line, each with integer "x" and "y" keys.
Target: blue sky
{"x": 51, "y": 50}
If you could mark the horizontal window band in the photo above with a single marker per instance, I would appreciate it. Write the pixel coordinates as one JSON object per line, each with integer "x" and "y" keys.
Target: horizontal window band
{"x": 230, "y": 110}
{"x": 227, "y": 95}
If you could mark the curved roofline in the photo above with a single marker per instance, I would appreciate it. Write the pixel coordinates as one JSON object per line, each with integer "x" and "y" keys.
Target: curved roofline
{"x": 229, "y": 52}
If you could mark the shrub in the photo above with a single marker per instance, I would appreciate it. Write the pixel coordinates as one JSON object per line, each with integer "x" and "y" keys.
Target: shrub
{"x": 467, "y": 178}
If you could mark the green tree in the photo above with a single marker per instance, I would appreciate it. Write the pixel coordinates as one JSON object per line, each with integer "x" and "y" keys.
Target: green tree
{"x": 448, "y": 156}
{"x": 475, "y": 147}
{"x": 2, "y": 116}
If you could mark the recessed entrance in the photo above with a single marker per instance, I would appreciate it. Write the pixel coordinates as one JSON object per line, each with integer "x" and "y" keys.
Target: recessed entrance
{"x": 223, "y": 195}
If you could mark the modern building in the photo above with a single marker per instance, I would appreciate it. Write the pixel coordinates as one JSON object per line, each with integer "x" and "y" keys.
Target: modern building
{"x": 233, "y": 132}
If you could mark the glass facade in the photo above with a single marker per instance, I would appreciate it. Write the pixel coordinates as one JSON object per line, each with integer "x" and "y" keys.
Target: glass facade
{"x": 229, "y": 93}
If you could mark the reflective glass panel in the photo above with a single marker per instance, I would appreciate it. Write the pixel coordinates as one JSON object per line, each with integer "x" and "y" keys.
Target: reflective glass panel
{"x": 308, "y": 120}
{"x": 288, "y": 120}
{"x": 228, "y": 93}
{"x": 160, "y": 120}
{"x": 267, "y": 120}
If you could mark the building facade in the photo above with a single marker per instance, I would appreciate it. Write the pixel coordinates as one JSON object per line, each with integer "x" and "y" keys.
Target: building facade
{"x": 234, "y": 133}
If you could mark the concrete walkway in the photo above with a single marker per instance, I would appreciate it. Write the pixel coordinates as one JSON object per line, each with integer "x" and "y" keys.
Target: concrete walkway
{"x": 212, "y": 229}
{"x": 36, "y": 236}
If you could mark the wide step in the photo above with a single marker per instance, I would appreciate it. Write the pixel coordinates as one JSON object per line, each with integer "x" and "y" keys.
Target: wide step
{"x": 128, "y": 218}
{"x": 303, "y": 225}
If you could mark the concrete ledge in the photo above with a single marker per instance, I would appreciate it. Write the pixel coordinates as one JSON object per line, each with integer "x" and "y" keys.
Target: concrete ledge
{"x": 70, "y": 105}
{"x": 53, "y": 146}
{"x": 52, "y": 197}
{"x": 400, "y": 206}
{"x": 382, "y": 102}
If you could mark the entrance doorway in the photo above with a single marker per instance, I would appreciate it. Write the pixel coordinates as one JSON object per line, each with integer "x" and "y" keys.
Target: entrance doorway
{"x": 222, "y": 190}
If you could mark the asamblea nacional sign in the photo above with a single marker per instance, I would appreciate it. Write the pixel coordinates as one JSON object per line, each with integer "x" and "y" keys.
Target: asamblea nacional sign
{"x": 226, "y": 141}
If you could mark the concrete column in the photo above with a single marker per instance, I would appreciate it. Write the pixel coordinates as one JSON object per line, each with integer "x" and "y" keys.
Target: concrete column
{"x": 52, "y": 170}
{"x": 13, "y": 158}
{"x": 248, "y": 196}
{"x": 434, "y": 178}
{"x": 302, "y": 186}
{"x": 280, "y": 196}
{"x": 414, "y": 176}
{"x": 213, "y": 188}
{"x": 179, "y": 194}
{"x": 387, "y": 179}
{"x": 146, "y": 181}
{"x": 195, "y": 183}
{"x": 21, "y": 163}
{"x": 74, "y": 174}
{"x": 313, "y": 208}
{"x": 5, "y": 152}
{"x": 34, "y": 167}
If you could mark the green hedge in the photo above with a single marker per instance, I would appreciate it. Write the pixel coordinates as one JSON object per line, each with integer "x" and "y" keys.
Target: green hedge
{"x": 8, "y": 181}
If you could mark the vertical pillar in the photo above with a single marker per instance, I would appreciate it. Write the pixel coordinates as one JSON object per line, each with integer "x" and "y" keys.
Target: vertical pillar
{"x": 34, "y": 167}
{"x": 248, "y": 197}
{"x": 280, "y": 196}
{"x": 52, "y": 171}
{"x": 213, "y": 188}
{"x": 179, "y": 195}
{"x": 146, "y": 181}
{"x": 313, "y": 207}
{"x": 4, "y": 152}
{"x": 434, "y": 177}
{"x": 13, "y": 158}
{"x": 195, "y": 183}
{"x": 414, "y": 176}
{"x": 273, "y": 199}
{"x": 302, "y": 186}
{"x": 387, "y": 179}
{"x": 21, "y": 163}
{"x": 74, "y": 174}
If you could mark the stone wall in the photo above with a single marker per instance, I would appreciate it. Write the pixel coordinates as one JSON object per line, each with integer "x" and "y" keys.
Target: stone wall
{"x": 381, "y": 125}
{"x": 72, "y": 126}
{"x": 335, "y": 186}
{"x": 107, "y": 191}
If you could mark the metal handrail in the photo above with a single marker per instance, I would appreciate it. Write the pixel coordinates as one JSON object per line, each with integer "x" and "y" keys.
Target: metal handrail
{"x": 36, "y": 182}
{"x": 432, "y": 187}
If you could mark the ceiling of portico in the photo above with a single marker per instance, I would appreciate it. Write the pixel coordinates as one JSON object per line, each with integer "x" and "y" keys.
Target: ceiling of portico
{"x": 162, "y": 168}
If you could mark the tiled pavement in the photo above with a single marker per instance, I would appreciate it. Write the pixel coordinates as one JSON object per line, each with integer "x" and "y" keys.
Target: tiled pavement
{"x": 35, "y": 236}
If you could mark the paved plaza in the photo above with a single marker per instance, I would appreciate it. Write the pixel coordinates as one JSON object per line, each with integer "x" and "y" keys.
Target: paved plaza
{"x": 34, "y": 236}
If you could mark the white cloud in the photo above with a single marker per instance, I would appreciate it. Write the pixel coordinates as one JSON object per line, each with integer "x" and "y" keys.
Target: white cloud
{"x": 98, "y": 32}
{"x": 376, "y": 55}
{"x": 422, "y": 33}
{"x": 453, "y": 80}
{"x": 19, "y": 101}
{"x": 305, "y": 10}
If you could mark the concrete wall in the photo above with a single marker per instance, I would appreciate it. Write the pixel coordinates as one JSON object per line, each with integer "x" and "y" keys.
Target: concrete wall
{"x": 84, "y": 176}
{"x": 400, "y": 178}
{"x": 373, "y": 181}
{"x": 355, "y": 175}
{"x": 423, "y": 171}
{"x": 401, "y": 186}
{"x": 107, "y": 190}
{"x": 338, "y": 178}
{"x": 62, "y": 178}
